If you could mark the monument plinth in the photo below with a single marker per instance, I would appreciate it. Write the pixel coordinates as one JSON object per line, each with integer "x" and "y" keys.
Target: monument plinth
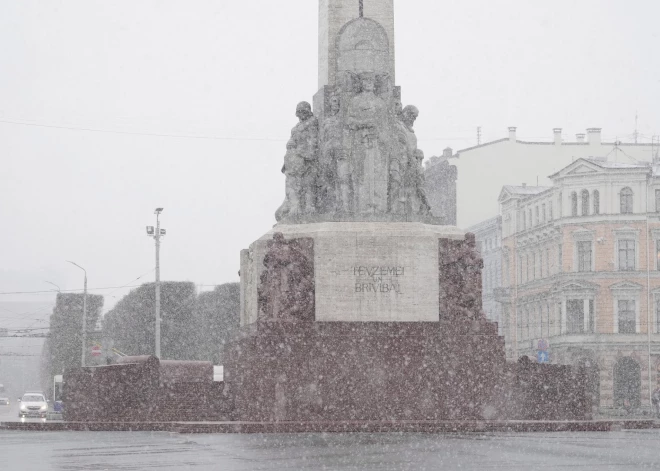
{"x": 359, "y": 304}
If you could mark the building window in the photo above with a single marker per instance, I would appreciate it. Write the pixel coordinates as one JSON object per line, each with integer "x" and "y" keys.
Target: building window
{"x": 524, "y": 221}
{"x": 574, "y": 316}
{"x": 592, "y": 316}
{"x": 527, "y": 268}
{"x": 547, "y": 261}
{"x": 560, "y": 211}
{"x": 626, "y": 201}
{"x": 550, "y": 211}
{"x": 585, "y": 203}
{"x": 627, "y": 322}
{"x": 534, "y": 265}
{"x": 527, "y": 319}
{"x": 538, "y": 217}
{"x": 596, "y": 202}
{"x": 657, "y": 201}
{"x": 627, "y": 255}
{"x": 574, "y": 204}
{"x": 584, "y": 252}
{"x": 531, "y": 221}
{"x": 560, "y": 256}
{"x": 657, "y": 316}
{"x": 543, "y": 212}
{"x": 540, "y": 263}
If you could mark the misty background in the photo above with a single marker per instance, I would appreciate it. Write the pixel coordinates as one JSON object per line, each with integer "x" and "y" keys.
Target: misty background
{"x": 111, "y": 109}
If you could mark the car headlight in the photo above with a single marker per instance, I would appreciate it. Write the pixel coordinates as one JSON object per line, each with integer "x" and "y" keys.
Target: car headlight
{"x": 44, "y": 407}
{"x": 23, "y": 407}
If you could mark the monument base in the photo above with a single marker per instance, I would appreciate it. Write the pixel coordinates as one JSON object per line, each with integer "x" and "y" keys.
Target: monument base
{"x": 374, "y": 371}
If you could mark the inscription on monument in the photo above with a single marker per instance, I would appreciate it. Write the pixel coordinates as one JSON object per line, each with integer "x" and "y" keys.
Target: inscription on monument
{"x": 378, "y": 279}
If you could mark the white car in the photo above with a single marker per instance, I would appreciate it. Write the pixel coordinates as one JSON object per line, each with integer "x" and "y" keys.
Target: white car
{"x": 33, "y": 405}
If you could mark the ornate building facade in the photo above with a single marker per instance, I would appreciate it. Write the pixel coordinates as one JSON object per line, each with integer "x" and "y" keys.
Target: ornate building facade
{"x": 488, "y": 235}
{"x": 581, "y": 274}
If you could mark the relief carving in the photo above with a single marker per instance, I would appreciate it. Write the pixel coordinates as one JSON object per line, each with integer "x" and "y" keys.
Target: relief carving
{"x": 460, "y": 279}
{"x": 286, "y": 289}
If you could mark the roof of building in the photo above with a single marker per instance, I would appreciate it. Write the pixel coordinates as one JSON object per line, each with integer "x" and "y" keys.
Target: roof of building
{"x": 487, "y": 224}
{"x": 552, "y": 143}
{"x": 526, "y": 190}
{"x": 608, "y": 164}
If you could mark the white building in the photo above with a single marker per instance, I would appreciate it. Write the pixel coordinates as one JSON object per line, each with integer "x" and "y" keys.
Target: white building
{"x": 484, "y": 169}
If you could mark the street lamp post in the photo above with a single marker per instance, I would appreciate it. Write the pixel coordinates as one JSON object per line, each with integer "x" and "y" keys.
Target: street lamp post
{"x": 51, "y": 283}
{"x": 84, "y": 319}
{"x": 157, "y": 234}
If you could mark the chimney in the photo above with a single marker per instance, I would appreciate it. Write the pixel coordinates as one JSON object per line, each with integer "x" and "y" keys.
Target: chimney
{"x": 557, "y": 133}
{"x": 512, "y": 134}
{"x": 580, "y": 137}
{"x": 594, "y": 136}
{"x": 524, "y": 185}
{"x": 447, "y": 153}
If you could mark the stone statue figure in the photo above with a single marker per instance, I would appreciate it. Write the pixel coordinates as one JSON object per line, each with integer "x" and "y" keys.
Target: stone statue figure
{"x": 300, "y": 165}
{"x": 286, "y": 286}
{"x": 367, "y": 135}
{"x": 408, "y": 117}
{"x": 419, "y": 201}
{"x": 399, "y": 161}
{"x": 331, "y": 188}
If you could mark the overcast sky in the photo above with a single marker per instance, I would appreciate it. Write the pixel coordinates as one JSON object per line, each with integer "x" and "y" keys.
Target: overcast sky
{"x": 196, "y": 100}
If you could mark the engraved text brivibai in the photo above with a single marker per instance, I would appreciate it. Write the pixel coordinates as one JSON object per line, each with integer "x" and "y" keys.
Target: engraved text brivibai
{"x": 355, "y": 156}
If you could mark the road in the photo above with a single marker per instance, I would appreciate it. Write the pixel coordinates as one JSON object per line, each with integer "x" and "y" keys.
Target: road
{"x": 43, "y": 451}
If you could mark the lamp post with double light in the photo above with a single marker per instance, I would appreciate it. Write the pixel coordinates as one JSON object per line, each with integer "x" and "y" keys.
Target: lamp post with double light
{"x": 157, "y": 233}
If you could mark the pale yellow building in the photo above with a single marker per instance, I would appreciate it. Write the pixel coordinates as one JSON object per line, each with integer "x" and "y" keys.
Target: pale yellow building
{"x": 581, "y": 274}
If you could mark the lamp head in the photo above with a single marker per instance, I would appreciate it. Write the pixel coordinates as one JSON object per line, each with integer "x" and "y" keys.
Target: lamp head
{"x": 158, "y": 210}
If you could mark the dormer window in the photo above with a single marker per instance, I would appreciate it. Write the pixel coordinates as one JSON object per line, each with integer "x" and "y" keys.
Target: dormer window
{"x": 585, "y": 203}
{"x": 596, "y": 202}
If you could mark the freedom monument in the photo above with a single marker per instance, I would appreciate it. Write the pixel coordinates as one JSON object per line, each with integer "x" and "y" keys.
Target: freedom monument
{"x": 359, "y": 304}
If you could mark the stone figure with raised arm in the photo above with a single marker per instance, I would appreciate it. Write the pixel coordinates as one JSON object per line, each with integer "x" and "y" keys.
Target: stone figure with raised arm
{"x": 366, "y": 123}
{"x": 300, "y": 165}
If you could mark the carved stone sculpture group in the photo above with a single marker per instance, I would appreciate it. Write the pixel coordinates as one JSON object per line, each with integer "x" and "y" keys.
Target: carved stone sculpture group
{"x": 359, "y": 159}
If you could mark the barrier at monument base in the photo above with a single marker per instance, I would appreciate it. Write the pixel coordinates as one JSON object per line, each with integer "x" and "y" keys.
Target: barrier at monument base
{"x": 142, "y": 389}
{"x": 393, "y": 372}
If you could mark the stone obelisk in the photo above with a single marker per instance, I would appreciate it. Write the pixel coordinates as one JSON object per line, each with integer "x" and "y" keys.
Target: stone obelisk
{"x": 333, "y": 15}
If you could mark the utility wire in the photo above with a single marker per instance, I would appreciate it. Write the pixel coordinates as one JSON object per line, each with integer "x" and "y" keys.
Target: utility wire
{"x": 135, "y": 133}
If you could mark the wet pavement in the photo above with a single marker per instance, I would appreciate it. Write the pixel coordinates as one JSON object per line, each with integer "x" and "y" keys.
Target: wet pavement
{"x": 625, "y": 450}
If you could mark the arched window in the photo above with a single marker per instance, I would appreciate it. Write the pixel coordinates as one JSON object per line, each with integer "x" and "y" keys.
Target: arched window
{"x": 585, "y": 203}
{"x": 596, "y": 202}
{"x": 626, "y": 201}
{"x": 574, "y": 204}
